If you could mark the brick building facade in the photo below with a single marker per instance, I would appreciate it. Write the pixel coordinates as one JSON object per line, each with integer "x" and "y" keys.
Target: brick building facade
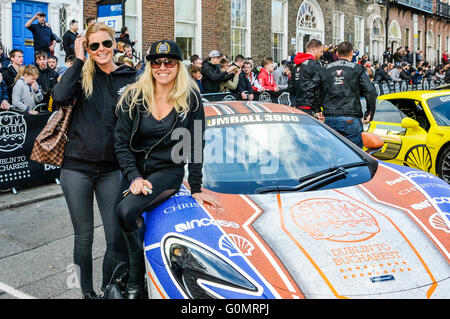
{"x": 433, "y": 27}
{"x": 262, "y": 28}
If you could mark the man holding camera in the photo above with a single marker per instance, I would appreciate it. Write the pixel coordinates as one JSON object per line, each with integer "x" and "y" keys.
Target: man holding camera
{"x": 43, "y": 37}
{"x": 212, "y": 76}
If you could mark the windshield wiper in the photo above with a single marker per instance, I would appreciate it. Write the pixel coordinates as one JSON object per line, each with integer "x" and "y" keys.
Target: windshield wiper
{"x": 315, "y": 180}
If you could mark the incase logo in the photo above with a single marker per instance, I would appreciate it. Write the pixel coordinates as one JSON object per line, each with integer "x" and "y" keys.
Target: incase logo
{"x": 203, "y": 222}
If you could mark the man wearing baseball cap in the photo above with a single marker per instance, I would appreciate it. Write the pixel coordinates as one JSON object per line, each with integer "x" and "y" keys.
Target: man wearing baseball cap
{"x": 42, "y": 35}
{"x": 212, "y": 76}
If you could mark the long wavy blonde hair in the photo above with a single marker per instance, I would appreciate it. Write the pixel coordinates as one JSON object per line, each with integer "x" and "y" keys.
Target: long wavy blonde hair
{"x": 143, "y": 92}
{"x": 88, "y": 71}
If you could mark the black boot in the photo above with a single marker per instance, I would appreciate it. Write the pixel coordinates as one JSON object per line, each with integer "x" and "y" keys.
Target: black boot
{"x": 135, "y": 285}
{"x": 89, "y": 295}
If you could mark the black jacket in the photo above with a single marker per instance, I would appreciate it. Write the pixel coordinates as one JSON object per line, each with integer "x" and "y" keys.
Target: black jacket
{"x": 381, "y": 75}
{"x": 212, "y": 77}
{"x": 244, "y": 85}
{"x": 136, "y": 162}
{"x": 9, "y": 75}
{"x": 447, "y": 76}
{"x": 47, "y": 80}
{"x": 91, "y": 133}
{"x": 69, "y": 42}
{"x": 342, "y": 87}
{"x": 405, "y": 76}
{"x": 304, "y": 84}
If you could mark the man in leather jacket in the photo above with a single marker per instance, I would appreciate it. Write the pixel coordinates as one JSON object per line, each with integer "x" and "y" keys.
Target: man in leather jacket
{"x": 342, "y": 86}
{"x": 305, "y": 82}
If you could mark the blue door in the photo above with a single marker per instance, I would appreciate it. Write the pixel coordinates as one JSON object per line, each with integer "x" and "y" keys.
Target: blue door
{"x": 22, "y": 11}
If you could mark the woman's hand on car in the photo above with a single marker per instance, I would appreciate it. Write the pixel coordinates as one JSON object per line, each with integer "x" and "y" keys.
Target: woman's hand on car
{"x": 206, "y": 198}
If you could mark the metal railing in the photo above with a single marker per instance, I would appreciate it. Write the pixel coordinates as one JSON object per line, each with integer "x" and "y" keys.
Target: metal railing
{"x": 442, "y": 9}
{"x": 423, "y": 5}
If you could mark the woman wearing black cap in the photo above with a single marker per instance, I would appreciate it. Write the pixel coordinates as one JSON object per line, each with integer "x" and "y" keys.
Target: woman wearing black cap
{"x": 164, "y": 99}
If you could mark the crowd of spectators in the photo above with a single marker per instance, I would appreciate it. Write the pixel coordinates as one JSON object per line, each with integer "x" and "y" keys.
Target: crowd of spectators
{"x": 23, "y": 87}
{"x": 214, "y": 74}
{"x": 218, "y": 74}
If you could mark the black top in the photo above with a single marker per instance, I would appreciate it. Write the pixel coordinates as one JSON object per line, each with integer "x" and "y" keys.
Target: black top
{"x": 69, "y": 42}
{"x": 151, "y": 130}
{"x": 91, "y": 133}
{"x": 42, "y": 36}
{"x": 140, "y": 161}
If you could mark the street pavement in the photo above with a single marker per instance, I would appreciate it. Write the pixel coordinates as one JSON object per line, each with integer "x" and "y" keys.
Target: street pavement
{"x": 36, "y": 246}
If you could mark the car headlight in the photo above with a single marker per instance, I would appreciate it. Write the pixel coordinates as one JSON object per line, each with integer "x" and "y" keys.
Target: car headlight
{"x": 195, "y": 268}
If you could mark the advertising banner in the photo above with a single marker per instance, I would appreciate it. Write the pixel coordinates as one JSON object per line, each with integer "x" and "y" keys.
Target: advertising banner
{"x": 112, "y": 15}
{"x": 17, "y": 134}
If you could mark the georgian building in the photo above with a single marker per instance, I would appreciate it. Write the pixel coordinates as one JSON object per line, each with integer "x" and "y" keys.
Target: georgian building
{"x": 14, "y": 15}
{"x": 257, "y": 28}
{"x": 420, "y": 24}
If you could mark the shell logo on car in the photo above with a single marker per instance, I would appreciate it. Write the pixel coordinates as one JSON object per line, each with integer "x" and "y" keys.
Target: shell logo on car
{"x": 416, "y": 129}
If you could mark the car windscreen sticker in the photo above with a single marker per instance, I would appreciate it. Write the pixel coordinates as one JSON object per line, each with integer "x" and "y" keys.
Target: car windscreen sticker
{"x": 255, "y": 118}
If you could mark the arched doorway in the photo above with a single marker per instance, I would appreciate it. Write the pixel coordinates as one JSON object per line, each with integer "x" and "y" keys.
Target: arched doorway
{"x": 310, "y": 23}
{"x": 377, "y": 39}
{"x": 395, "y": 35}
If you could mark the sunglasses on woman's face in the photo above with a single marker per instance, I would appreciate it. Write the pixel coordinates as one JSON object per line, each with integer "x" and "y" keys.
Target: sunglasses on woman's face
{"x": 95, "y": 45}
{"x": 169, "y": 63}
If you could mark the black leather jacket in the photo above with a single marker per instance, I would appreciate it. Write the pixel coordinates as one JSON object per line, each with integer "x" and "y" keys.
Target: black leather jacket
{"x": 342, "y": 86}
{"x": 305, "y": 82}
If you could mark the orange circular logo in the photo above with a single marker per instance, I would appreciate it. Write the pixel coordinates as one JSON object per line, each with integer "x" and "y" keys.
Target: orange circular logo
{"x": 334, "y": 220}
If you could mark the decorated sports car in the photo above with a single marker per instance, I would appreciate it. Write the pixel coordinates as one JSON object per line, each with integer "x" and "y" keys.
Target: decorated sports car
{"x": 416, "y": 129}
{"x": 305, "y": 214}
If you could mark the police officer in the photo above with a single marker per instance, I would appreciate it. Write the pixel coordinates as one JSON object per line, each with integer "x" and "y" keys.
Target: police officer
{"x": 305, "y": 82}
{"x": 342, "y": 86}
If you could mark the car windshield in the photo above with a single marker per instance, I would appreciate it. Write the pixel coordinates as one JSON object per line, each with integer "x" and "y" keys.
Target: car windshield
{"x": 242, "y": 157}
{"x": 440, "y": 108}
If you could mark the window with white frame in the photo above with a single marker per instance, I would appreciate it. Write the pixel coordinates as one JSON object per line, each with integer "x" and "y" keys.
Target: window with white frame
{"x": 359, "y": 34}
{"x": 131, "y": 19}
{"x": 187, "y": 27}
{"x": 240, "y": 25}
{"x": 279, "y": 36}
{"x": 338, "y": 27}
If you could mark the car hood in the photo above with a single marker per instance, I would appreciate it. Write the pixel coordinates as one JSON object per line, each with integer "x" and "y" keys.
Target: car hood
{"x": 387, "y": 238}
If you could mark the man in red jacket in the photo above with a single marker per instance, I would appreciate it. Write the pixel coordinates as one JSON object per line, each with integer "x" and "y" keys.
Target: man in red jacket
{"x": 265, "y": 77}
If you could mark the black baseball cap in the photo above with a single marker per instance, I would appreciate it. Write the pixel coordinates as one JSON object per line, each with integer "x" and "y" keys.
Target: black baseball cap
{"x": 41, "y": 14}
{"x": 164, "y": 49}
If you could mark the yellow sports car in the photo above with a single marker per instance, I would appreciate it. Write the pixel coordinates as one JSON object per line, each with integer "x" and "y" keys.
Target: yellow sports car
{"x": 415, "y": 126}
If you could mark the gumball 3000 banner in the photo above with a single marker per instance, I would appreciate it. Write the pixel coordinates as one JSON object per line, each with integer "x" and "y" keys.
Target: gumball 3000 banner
{"x": 17, "y": 134}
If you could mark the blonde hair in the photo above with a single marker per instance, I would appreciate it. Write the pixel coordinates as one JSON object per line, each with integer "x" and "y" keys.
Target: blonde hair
{"x": 143, "y": 92}
{"x": 30, "y": 70}
{"x": 88, "y": 71}
{"x": 120, "y": 45}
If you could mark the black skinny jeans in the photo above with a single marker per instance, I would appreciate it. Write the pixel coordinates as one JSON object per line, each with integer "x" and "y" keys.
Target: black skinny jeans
{"x": 165, "y": 183}
{"x": 79, "y": 188}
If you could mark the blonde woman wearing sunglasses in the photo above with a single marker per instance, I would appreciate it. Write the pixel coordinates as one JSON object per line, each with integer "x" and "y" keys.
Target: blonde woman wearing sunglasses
{"x": 90, "y": 165}
{"x": 164, "y": 99}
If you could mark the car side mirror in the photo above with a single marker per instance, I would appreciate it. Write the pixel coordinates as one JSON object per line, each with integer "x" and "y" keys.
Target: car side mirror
{"x": 408, "y": 122}
{"x": 372, "y": 142}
